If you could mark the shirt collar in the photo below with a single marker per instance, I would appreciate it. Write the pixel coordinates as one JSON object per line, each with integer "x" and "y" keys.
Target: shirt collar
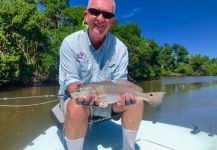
{"x": 101, "y": 48}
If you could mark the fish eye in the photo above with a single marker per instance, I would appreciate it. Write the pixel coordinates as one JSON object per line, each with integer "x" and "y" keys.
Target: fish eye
{"x": 151, "y": 94}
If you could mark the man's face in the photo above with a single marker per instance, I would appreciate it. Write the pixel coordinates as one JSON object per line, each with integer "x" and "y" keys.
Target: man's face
{"x": 98, "y": 18}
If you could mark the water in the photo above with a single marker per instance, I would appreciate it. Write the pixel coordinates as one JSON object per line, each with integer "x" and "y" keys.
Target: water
{"x": 19, "y": 126}
{"x": 189, "y": 101}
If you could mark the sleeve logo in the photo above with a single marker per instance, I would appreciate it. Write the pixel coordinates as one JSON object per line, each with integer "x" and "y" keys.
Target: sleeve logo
{"x": 81, "y": 56}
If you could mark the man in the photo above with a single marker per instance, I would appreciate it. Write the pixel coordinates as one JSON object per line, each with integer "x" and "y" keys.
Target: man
{"x": 94, "y": 55}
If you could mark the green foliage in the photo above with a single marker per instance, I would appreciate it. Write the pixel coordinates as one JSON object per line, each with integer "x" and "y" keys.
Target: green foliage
{"x": 9, "y": 68}
{"x": 143, "y": 54}
{"x": 30, "y": 38}
{"x": 181, "y": 54}
{"x": 210, "y": 70}
{"x": 44, "y": 64}
{"x": 20, "y": 37}
{"x": 197, "y": 62}
{"x": 184, "y": 69}
{"x": 128, "y": 33}
{"x": 203, "y": 65}
{"x": 167, "y": 58}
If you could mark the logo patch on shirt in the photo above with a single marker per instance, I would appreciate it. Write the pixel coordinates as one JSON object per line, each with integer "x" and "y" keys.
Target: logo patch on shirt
{"x": 81, "y": 56}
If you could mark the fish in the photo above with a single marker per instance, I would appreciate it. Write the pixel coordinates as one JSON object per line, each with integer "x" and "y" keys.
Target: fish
{"x": 109, "y": 92}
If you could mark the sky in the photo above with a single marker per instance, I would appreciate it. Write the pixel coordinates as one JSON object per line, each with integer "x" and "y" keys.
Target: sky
{"x": 190, "y": 23}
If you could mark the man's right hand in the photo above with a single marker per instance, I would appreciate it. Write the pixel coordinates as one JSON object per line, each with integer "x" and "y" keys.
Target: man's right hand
{"x": 73, "y": 86}
{"x": 87, "y": 100}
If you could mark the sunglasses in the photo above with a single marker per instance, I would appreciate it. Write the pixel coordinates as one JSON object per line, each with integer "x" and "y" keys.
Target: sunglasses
{"x": 97, "y": 12}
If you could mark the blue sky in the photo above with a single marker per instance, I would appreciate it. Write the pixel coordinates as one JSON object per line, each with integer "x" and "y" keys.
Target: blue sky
{"x": 191, "y": 23}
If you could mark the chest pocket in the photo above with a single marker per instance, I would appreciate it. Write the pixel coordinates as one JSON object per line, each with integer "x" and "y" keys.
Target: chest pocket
{"x": 107, "y": 72}
{"x": 85, "y": 71}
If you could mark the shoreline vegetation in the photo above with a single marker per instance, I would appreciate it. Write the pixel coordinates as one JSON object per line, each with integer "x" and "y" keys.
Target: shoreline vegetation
{"x": 5, "y": 84}
{"x": 31, "y": 33}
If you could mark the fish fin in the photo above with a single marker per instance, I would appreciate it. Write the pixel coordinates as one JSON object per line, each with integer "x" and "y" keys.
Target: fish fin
{"x": 153, "y": 98}
{"x": 130, "y": 84}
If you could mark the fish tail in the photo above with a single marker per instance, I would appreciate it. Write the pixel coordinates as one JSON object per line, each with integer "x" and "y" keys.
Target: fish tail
{"x": 153, "y": 98}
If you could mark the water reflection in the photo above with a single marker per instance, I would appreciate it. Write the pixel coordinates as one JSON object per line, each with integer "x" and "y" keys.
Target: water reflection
{"x": 177, "y": 84}
{"x": 189, "y": 101}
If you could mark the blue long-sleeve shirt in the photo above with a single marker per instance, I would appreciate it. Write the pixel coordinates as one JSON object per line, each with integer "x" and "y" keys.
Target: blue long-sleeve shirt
{"x": 80, "y": 61}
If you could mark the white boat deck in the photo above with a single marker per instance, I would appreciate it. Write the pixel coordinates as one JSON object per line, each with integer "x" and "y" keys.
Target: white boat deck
{"x": 107, "y": 136}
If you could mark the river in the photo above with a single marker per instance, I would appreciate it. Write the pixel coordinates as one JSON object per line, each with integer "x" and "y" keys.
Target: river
{"x": 189, "y": 102}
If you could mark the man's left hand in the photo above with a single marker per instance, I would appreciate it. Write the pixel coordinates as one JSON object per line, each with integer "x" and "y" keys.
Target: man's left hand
{"x": 126, "y": 99}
